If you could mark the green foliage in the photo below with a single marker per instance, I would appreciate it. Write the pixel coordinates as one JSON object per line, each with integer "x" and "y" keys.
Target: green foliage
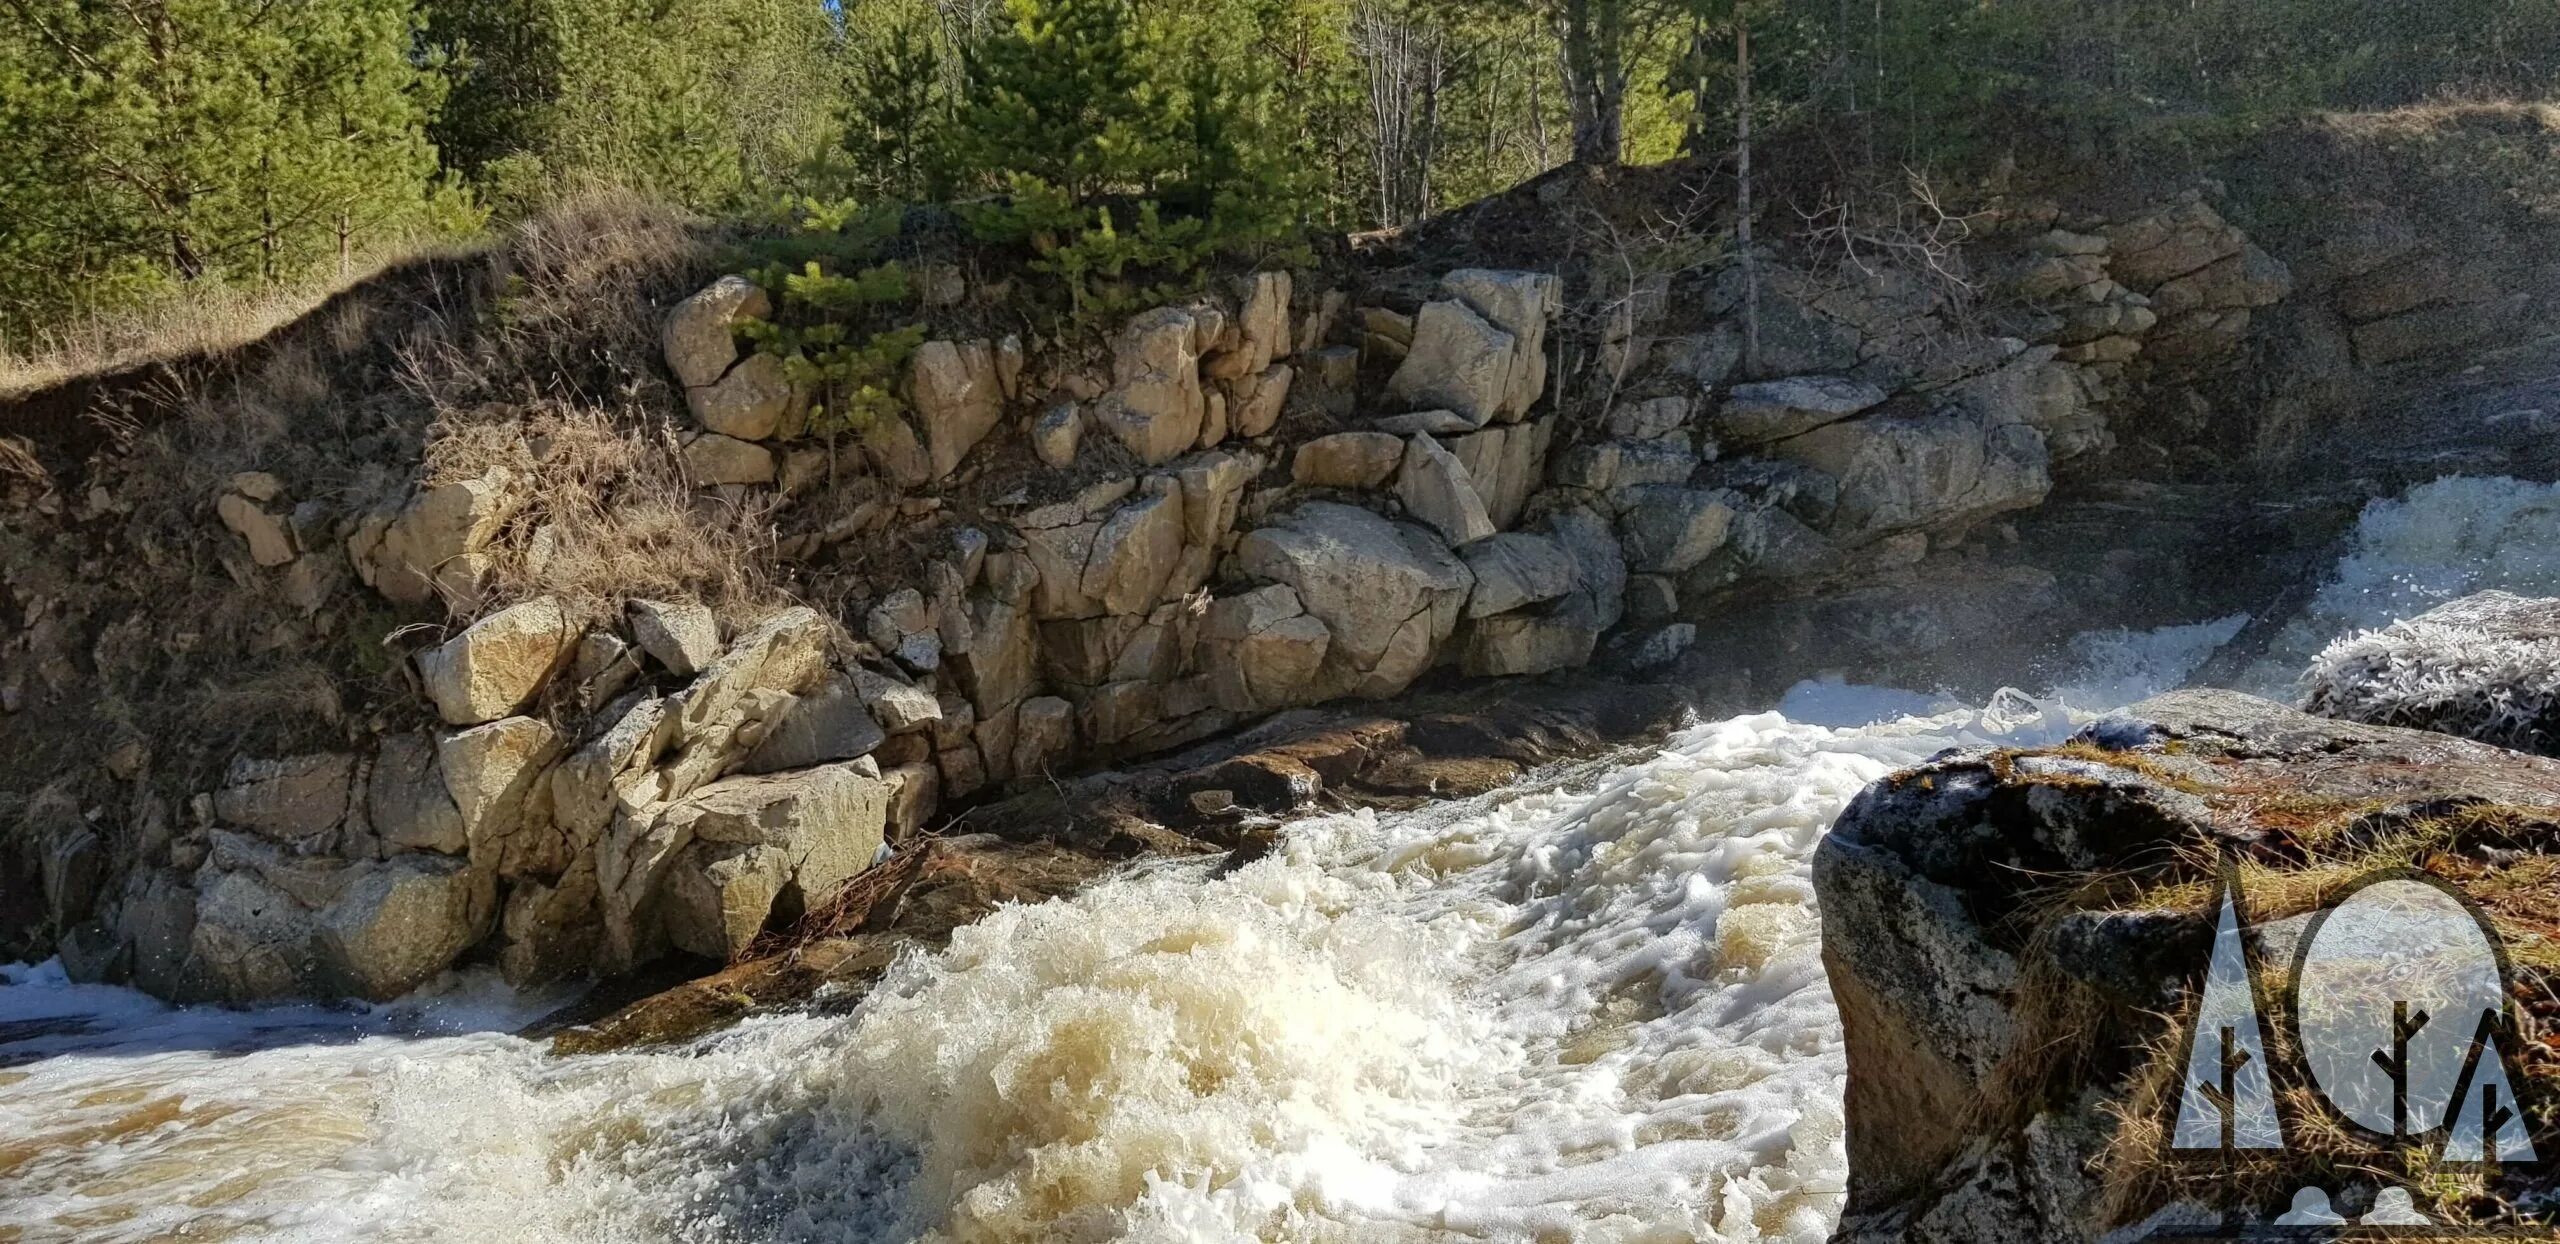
{"x": 1133, "y": 148}
{"x": 1929, "y": 82}
{"x": 898, "y": 117}
{"x": 1060, "y": 95}
{"x": 821, "y": 331}
{"x": 162, "y": 141}
{"x": 712, "y": 104}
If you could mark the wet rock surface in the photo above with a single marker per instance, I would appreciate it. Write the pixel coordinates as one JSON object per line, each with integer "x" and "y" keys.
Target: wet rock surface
{"x": 2009, "y": 943}
{"x": 1226, "y": 799}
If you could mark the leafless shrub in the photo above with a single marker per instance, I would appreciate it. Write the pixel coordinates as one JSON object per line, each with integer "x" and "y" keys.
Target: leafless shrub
{"x": 1911, "y": 231}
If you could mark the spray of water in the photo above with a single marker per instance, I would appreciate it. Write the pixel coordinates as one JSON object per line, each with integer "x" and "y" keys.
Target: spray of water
{"x": 1590, "y": 1008}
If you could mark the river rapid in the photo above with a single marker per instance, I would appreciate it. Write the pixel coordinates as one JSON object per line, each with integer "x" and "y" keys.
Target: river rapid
{"x": 1588, "y": 1008}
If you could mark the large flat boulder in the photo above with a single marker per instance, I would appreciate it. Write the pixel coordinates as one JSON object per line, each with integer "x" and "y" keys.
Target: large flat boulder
{"x": 269, "y": 924}
{"x": 1388, "y": 593}
{"x": 2012, "y": 936}
{"x": 1514, "y": 569}
{"x": 495, "y": 665}
{"x": 1771, "y": 410}
{"x": 1458, "y": 363}
{"x": 1939, "y": 469}
{"x": 752, "y": 843}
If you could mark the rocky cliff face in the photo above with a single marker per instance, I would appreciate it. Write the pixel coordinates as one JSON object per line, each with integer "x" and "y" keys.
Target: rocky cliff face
{"x": 545, "y": 631}
{"x": 2015, "y": 938}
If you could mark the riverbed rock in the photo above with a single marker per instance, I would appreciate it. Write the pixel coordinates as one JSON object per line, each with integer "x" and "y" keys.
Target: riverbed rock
{"x": 269, "y": 925}
{"x": 399, "y": 922}
{"x": 1388, "y": 593}
{"x": 549, "y": 930}
{"x": 958, "y": 398}
{"x": 492, "y": 668}
{"x": 699, "y": 337}
{"x": 2485, "y": 667}
{"x": 1536, "y": 640}
{"x": 758, "y": 843}
{"x": 1155, "y": 405}
{"x": 1959, "y": 970}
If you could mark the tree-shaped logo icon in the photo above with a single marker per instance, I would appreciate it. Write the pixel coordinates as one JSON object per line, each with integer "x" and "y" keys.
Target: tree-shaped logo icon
{"x": 2229, "y": 1101}
{"x": 2400, "y": 1003}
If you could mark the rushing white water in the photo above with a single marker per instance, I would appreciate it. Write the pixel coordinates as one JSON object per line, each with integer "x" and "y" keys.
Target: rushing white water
{"x": 1589, "y": 1009}
{"x": 2440, "y": 541}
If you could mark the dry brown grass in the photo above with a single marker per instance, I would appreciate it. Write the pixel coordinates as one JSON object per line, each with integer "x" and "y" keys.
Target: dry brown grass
{"x": 198, "y": 320}
{"x": 539, "y": 350}
{"x": 555, "y": 381}
{"x": 609, "y": 516}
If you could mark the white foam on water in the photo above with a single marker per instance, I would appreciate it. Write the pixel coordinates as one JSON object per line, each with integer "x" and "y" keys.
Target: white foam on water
{"x": 2435, "y": 543}
{"x": 1590, "y": 1009}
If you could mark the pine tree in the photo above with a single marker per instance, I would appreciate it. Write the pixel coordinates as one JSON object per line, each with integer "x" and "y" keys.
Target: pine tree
{"x": 896, "y": 125}
{"x": 1061, "y": 96}
{"x": 714, "y": 104}
{"x": 155, "y": 140}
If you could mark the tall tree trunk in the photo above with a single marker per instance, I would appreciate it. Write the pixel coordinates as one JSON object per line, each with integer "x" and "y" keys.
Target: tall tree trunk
{"x": 1742, "y": 197}
{"x": 1593, "y": 47}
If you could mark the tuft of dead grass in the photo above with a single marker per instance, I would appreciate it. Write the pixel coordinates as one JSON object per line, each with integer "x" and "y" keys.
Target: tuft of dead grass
{"x": 609, "y": 516}
{"x": 203, "y": 319}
